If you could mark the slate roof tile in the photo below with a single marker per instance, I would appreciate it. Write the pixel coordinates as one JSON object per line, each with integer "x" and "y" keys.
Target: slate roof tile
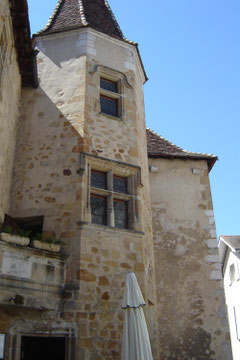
{"x": 75, "y": 14}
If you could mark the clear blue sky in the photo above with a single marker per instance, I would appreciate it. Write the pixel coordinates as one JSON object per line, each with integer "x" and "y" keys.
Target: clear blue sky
{"x": 191, "y": 53}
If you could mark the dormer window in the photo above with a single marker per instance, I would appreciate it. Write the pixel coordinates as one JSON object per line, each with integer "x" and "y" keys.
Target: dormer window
{"x": 110, "y": 97}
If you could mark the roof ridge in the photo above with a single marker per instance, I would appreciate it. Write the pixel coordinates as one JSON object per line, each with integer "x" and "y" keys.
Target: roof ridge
{"x": 114, "y": 19}
{"x": 179, "y": 148}
{"x": 82, "y": 14}
{"x": 51, "y": 18}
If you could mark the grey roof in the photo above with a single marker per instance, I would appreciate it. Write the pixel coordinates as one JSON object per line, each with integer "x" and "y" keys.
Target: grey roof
{"x": 231, "y": 242}
{"x": 76, "y": 14}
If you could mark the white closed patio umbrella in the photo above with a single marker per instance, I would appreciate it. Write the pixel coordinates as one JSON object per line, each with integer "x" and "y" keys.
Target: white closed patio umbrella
{"x": 135, "y": 341}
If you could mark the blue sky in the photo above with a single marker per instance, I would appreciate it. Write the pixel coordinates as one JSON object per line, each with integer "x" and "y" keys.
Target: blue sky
{"x": 190, "y": 50}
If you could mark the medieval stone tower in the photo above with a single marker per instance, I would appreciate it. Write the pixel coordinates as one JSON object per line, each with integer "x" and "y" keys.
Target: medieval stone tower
{"x": 85, "y": 173}
{"x": 82, "y": 166}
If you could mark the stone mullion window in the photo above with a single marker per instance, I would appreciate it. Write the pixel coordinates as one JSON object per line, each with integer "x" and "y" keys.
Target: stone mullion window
{"x": 122, "y": 201}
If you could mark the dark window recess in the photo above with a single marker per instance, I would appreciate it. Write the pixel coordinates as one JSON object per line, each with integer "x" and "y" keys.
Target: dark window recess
{"x": 120, "y": 214}
{"x": 108, "y": 85}
{"x": 98, "y": 179}
{"x": 33, "y": 224}
{"x": 119, "y": 184}
{"x": 98, "y": 209}
{"x": 38, "y": 348}
{"x": 109, "y": 106}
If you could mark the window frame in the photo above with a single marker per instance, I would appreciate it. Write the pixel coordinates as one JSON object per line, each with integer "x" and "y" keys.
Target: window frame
{"x": 131, "y": 172}
{"x": 112, "y": 95}
{"x": 110, "y": 196}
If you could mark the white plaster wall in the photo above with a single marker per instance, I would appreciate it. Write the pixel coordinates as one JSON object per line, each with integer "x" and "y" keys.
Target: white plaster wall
{"x": 232, "y": 293}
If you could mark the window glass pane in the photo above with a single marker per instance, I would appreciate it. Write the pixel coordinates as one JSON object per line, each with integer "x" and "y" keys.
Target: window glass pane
{"x": 98, "y": 179}
{"x": 120, "y": 214}
{"x": 120, "y": 184}
{"x": 109, "y": 106}
{"x": 98, "y": 209}
{"x": 108, "y": 85}
{"x": 2, "y": 343}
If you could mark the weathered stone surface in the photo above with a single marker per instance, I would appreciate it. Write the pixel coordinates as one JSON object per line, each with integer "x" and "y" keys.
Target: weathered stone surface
{"x": 188, "y": 278}
{"x": 103, "y": 281}
{"x": 85, "y": 275}
{"x": 10, "y": 87}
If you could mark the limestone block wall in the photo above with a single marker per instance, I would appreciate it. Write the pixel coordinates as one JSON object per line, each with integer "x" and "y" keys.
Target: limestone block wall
{"x": 10, "y": 87}
{"x": 192, "y": 317}
{"x": 60, "y": 124}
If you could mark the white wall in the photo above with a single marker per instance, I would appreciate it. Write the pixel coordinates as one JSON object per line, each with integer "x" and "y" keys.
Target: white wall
{"x": 232, "y": 292}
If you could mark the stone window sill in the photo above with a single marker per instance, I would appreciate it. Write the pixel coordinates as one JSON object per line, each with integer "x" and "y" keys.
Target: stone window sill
{"x": 111, "y": 117}
{"x": 109, "y": 228}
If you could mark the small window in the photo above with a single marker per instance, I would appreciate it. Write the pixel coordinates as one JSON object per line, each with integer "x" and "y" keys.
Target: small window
{"x": 108, "y": 85}
{"x": 98, "y": 179}
{"x": 109, "y": 105}
{"x": 2, "y": 346}
{"x": 232, "y": 274}
{"x": 120, "y": 184}
{"x": 98, "y": 209}
{"x": 120, "y": 214}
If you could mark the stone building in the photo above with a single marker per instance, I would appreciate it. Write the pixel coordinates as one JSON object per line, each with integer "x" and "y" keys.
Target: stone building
{"x": 85, "y": 172}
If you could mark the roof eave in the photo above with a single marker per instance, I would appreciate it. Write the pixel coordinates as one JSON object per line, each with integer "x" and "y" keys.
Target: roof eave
{"x": 210, "y": 161}
{"x": 45, "y": 33}
{"x": 23, "y": 44}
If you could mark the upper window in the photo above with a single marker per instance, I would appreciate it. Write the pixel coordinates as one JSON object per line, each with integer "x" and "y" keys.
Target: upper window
{"x": 108, "y": 85}
{"x": 98, "y": 179}
{"x": 232, "y": 273}
{"x": 120, "y": 184}
{"x": 110, "y": 97}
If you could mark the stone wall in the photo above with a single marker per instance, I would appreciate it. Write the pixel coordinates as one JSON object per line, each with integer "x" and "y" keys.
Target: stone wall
{"x": 192, "y": 318}
{"x": 10, "y": 87}
{"x": 61, "y": 134}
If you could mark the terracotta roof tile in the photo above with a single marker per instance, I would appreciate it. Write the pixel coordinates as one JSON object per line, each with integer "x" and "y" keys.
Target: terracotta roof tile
{"x": 160, "y": 147}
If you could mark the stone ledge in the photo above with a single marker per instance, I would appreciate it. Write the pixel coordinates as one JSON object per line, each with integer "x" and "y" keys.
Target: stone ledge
{"x": 107, "y": 228}
{"x": 33, "y": 251}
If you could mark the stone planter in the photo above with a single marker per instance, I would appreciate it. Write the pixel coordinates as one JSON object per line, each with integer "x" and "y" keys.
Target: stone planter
{"x": 45, "y": 246}
{"x": 15, "y": 239}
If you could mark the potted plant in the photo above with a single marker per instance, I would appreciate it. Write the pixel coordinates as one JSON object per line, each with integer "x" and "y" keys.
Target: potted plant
{"x": 47, "y": 241}
{"x": 15, "y": 236}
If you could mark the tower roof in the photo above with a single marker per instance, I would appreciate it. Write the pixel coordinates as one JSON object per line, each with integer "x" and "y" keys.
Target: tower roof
{"x": 75, "y": 14}
{"x": 159, "y": 147}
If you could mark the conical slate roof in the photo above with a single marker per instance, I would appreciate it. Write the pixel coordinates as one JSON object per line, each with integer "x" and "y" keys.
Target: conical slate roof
{"x": 75, "y": 14}
{"x": 160, "y": 147}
